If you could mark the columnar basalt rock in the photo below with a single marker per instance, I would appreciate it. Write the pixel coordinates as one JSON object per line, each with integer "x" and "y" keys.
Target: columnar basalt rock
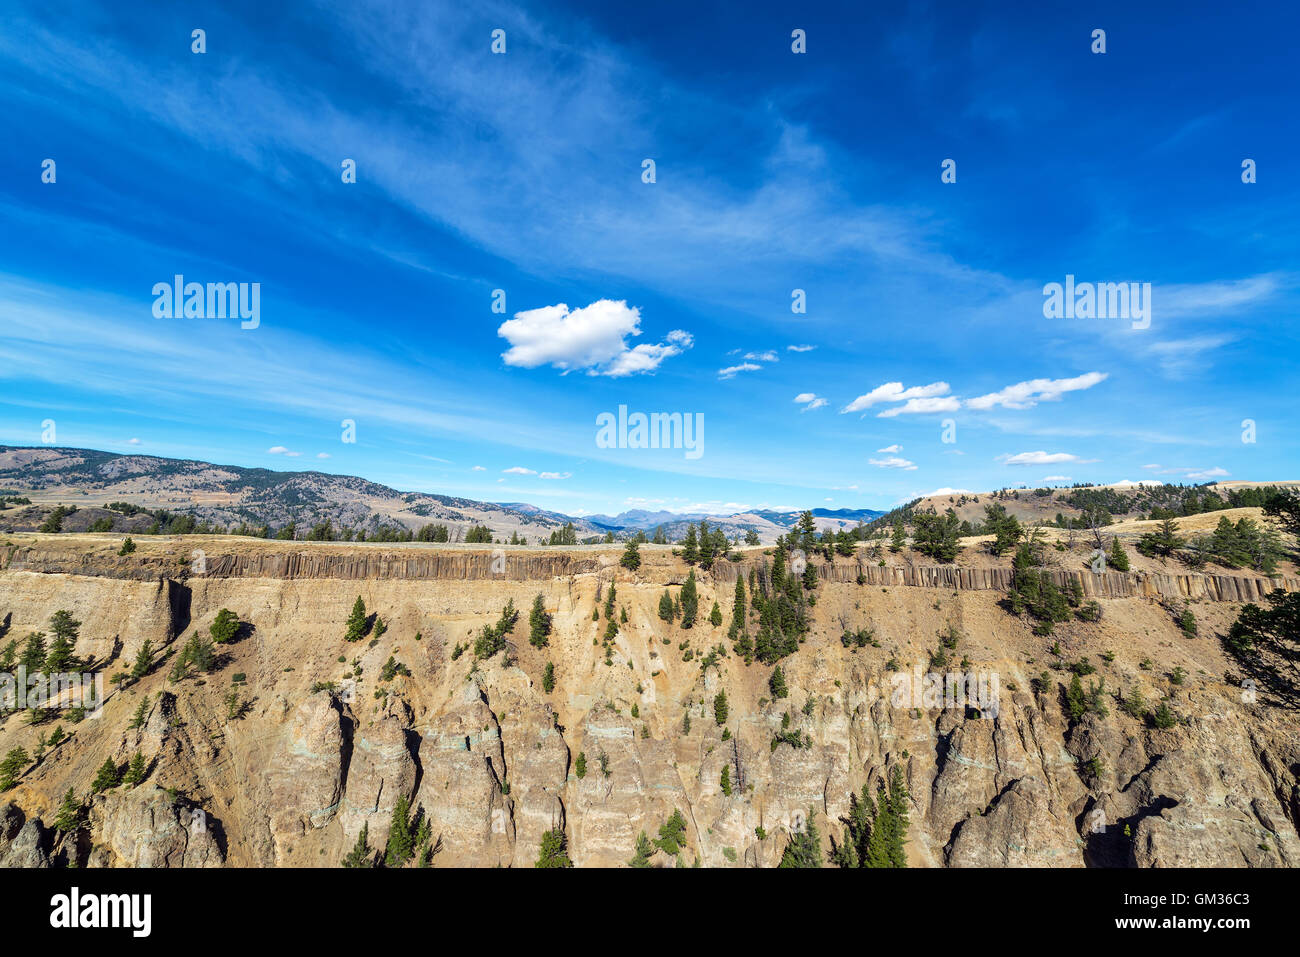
{"x": 460, "y": 564}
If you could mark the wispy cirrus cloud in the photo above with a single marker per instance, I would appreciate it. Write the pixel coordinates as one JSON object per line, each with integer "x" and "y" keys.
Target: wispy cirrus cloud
{"x": 1195, "y": 473}
{"x": 893, "y": 462}
{"x": 895, "y": 392}
{"x": 1026, "y": 395}
{"x": 1042, "y": 458}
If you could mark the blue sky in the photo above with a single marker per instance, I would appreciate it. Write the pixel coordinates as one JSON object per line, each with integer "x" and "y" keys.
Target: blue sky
{"x": 774, "y": 171}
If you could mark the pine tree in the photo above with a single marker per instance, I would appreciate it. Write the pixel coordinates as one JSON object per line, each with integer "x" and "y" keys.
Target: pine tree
{"x": 143, "y": 659}
{"x": 726, "y": 780}
{"x": 1163, "y": 717}
{"x": 401, "y": 843}
{"x": 666, "y": 606}
{"x": 690, "y": 601}
{"x": 707, "y": 545}
{"x": 715, "y": 616}
{"x": 548, "y": 678}
{"x": 805, "y": 847}
{"x": 14, "y": 761}
{"x": 777, "y": 683}
{"x": 33, "y": 657}
{"x": 899, "y": 539}
{"x": 810, "y": 577}
{"x": 553, "y": 851}
{"x": 1118, "y": 557}
{"x": 690, "y": 547}
{"x": 672, "y": 834}
{"x": 778, "y": 567}
{"x": 355, "y": 629}
{"x": 107, "y": 777}
{"x": 360, "y": 855}
{"x": 896, "y": 821}
{"x": 644, "y": 851}
{"x": 60, "y": 658}
{"x": 135, "y": 771}
{"x": 141, "y": 712}
{"x": 580, "y": 766}
{"x": 720, "y": 708}
{"x": 631, "y": 556}
{"x": 68, "y": 817}
{"x": 1075, "y": 701}
{"x": 539, "y": 624}
{"x": 224, "y": 627}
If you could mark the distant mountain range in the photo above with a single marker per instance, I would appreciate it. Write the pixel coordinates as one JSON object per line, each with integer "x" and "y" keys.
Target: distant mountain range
{"x": 230, "y": 495}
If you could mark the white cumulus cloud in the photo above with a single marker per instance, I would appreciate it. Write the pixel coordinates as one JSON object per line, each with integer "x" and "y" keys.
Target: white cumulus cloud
{"x": 591, "y": 338}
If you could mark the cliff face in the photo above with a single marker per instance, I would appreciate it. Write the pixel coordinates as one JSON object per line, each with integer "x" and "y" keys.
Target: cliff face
{"x": 532, "y": 564}
{"x": 492, "y": 758}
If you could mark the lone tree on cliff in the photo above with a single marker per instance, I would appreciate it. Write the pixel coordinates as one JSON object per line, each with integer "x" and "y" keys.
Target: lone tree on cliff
{"x": 690, "y": 601}
{"x": 553, "y": 852}
{"x": 356, "y": 626}
{"x": 539, "y": 624}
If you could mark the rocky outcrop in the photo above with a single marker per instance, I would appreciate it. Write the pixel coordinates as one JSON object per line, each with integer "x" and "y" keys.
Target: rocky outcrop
{"x": 22, "y": 840}
{"x": 382, "y": 771}
{"x": 631, "y": 785}
{"x": 463, "y": 767}
{"x": 147, "y": 827}
{"x": 306, "y": 775}
{"x": 1018, "y": 830}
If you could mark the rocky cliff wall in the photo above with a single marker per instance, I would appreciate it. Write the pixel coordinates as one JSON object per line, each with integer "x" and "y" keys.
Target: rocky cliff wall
{"x": 531, "y": 565}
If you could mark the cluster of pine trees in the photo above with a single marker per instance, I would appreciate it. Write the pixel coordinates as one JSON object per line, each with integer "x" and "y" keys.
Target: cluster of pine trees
{"x": 705, "y": 545}
{"x": 776, "y": 607}
{"x": 875, "y": 830}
